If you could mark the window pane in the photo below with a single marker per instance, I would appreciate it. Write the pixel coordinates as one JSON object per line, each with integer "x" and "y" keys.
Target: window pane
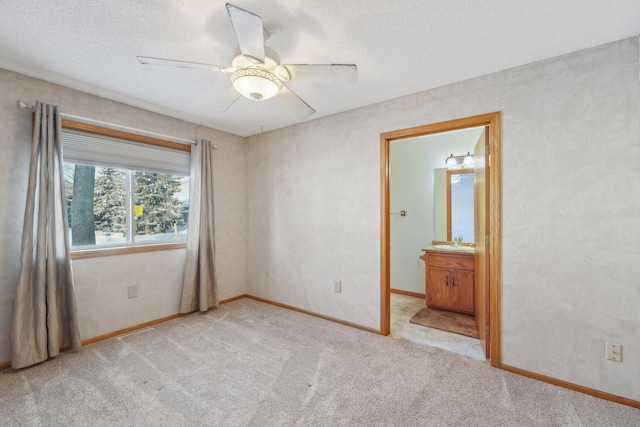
{"x": 96, "y": 204}
{"x": 161, "y": 206}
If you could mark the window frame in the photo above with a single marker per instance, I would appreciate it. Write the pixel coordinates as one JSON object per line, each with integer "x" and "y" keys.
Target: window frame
{"x": 120, "y": 249}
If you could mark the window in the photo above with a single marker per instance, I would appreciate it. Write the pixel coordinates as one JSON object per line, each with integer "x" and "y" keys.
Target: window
{"x": 124, "y": 193}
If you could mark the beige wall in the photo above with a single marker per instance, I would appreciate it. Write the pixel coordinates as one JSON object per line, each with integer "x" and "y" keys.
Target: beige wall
{"x": 570, "y": 211}
{"x": 303, "y": 205}
{"x": 101, "y": 283}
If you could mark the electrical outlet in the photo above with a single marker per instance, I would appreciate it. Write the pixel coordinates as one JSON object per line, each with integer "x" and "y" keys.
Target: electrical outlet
{"x": 132, "y": 291}
{"x": 614, "y": 351}
{"x": 337, "y": 286}
{"x": 267, "y": 274}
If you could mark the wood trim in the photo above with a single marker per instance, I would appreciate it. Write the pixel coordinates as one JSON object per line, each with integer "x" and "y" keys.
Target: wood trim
{"x": 492, "y": 120}
{"x": 113, "y": 133}
{"x": 575, "y": 387}
{"x": 94, "y": 253}
{"x": 150, "y": 323}
{"x": 467, "y": 122}
{"x": 236, "y": 298}
{"x": 494, "y": 237}
{"x": 130, "y": 329}
{"x": 481, "y": 206}
{"x": 408, "y": 293}
{"x": 385, "y": 239}
{"x": 311, "y": 313}
{"x": 7, "y": 365}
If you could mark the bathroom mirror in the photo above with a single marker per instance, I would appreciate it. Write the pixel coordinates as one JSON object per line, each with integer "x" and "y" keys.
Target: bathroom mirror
{"x": 460, "y": 205}
{"x": 453, "y": 204}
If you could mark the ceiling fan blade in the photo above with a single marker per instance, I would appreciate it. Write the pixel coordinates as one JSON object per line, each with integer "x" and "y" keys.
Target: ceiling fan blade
{"x": 182, "y": 64}
{"x": 226, "y": 101}
{"x": 329, "y": 73}
{"x": 249, "y": 31}
{"x": 293, "y": 102}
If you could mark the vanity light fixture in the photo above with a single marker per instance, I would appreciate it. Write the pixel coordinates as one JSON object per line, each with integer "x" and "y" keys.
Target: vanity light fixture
{"x": 451, "y": 162}
{"x": 468, "y": 161}
{"x": 457, "y": 162}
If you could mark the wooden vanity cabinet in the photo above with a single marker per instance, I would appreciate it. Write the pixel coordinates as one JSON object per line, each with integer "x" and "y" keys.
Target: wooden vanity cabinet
{"x": 449, "y": 281}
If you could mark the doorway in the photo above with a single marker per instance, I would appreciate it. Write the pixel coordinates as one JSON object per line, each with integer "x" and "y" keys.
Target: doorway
{"x": 488, "y": 252}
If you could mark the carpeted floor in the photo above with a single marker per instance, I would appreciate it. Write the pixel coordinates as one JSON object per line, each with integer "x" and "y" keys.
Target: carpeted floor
{"x": 450, "y": 321}
{"x": 253, "y": 364}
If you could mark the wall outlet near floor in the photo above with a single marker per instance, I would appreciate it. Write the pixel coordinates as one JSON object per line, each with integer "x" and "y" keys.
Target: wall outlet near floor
{"x": 614, "y": 351}
{"x": 132, "y": 291}
{"x": 337, "y": 286}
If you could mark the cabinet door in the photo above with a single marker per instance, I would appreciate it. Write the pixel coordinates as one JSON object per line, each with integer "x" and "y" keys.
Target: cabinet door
{"x": 462, "y": 291}
{"x": 438, "y": 288}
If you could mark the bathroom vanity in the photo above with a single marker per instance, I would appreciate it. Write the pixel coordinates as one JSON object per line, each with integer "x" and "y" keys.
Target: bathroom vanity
{"x": 449, "y": 278}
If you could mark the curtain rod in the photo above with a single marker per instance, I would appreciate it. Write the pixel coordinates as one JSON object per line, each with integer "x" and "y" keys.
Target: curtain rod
{"x": 24, "y": 106}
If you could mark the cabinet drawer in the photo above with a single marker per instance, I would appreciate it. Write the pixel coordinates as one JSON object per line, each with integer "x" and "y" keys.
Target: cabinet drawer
{"x": 453, "y": 262}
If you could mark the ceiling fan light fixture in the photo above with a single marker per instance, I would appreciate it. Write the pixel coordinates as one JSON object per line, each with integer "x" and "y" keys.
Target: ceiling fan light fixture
{"x": 256, "y": 84}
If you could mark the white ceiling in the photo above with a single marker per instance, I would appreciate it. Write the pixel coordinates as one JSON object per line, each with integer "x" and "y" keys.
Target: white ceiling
{"x": 400, "y": 47}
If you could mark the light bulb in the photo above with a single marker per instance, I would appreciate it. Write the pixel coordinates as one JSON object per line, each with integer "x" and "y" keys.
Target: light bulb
{"x": 468, "y": 161}
{"x": 451, "y": 162}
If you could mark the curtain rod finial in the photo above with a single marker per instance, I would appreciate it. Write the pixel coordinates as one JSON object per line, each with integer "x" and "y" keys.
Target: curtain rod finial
{"x": 23, "y": 105}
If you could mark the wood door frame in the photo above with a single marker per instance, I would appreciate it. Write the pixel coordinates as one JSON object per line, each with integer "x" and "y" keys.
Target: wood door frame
{"x": 492, "y": 122}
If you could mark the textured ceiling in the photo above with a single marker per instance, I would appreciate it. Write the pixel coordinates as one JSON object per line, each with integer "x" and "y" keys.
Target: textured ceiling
{"x": 400, "y": 47}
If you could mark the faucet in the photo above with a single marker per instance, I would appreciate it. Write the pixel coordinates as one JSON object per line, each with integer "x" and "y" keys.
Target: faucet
{"x": 457, "y": 240}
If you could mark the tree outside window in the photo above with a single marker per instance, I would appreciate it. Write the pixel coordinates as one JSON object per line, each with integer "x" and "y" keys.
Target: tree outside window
{"x": 101, "y": 209}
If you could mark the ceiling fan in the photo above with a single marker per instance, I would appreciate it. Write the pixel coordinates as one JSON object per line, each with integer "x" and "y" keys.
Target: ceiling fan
{"x": 259, "y": 76}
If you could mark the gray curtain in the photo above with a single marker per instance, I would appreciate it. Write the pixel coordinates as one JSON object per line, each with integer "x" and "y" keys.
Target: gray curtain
{"x": 44, "y": 307}
{"x": 199, "y": 288}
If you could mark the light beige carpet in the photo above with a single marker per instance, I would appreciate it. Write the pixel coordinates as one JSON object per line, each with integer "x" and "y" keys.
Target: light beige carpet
{"x": 253, "y": 364}
{"x": 450, "y": 321}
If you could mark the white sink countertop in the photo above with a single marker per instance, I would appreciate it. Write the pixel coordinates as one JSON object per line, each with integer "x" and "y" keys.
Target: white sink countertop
{"x": 450, "y": 248}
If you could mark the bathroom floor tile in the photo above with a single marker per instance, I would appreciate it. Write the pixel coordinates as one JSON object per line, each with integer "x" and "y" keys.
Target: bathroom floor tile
{"x": 406, "y": 304}
{"x": 403, "y": 307}
{"x": 476, "y": 351}
{"x": 409, "y": 332}
{"x": 446, "y": 340}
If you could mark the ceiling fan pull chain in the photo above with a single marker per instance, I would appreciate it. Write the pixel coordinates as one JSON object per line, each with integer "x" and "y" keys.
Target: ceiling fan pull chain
{"x": 260, "y": 114}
